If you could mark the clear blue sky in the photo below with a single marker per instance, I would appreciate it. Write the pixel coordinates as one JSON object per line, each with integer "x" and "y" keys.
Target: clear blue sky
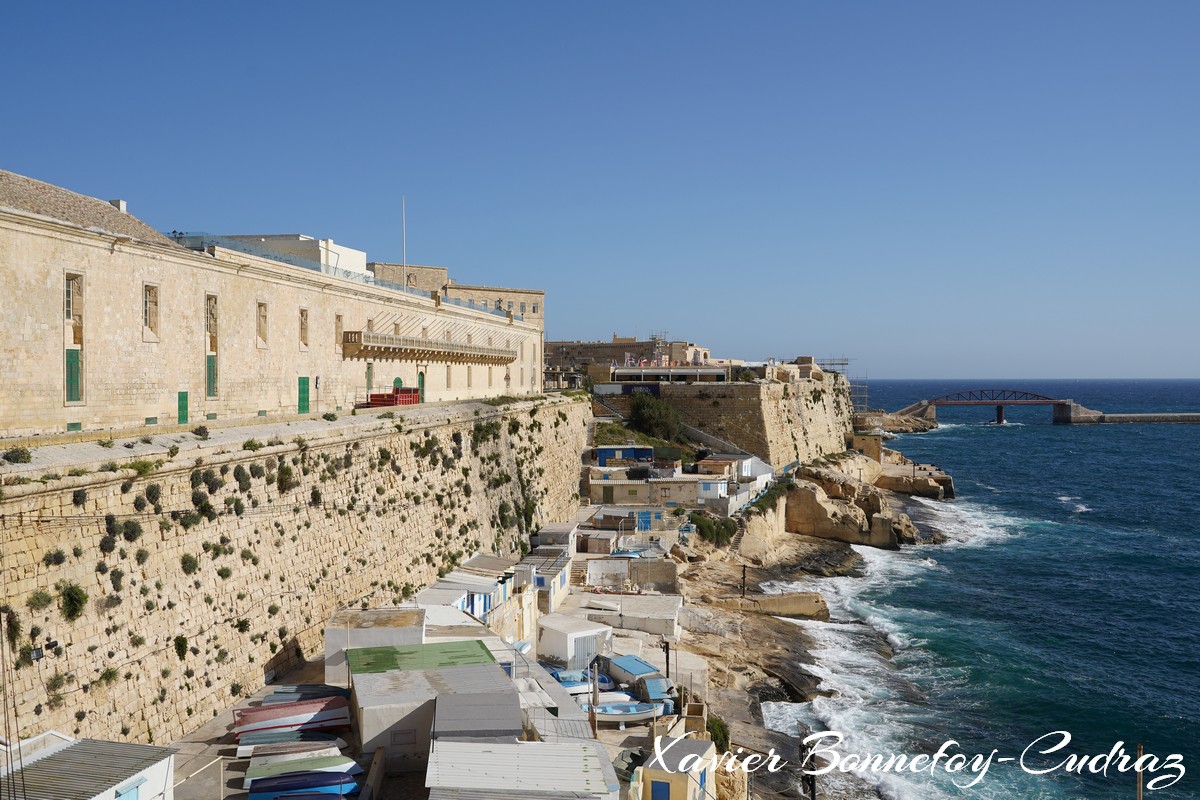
{"x": 930, "y": 188}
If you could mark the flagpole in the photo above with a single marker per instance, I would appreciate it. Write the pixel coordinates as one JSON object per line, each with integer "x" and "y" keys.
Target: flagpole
{"x": 403, "y": 245}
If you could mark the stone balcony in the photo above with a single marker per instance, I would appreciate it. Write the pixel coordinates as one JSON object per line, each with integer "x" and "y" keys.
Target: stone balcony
{"x": 370, "y": 346}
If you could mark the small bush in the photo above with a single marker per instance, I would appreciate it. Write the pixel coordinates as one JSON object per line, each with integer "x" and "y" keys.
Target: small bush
{"x": 719, "y": 732}
{"x": 224, "y": 573}
{"x": 315, "y": 497}
{"x": 54, "y": 558}
{"x": 200, "y": 432}
{"x": 117, "y": 576}
{"x": 106, "y": 442}
{"x": 108, "y": 543}
{"x": 18, "y": 455}
{"x": 153, "y": 493}
{"x": 189, "y": 563}
{"x": 131, "y": 530}
{"x": 253, "y": 445}
{"x": 172, "y": 451}
{"x": 272, "y": 610}
{"x": 181, "y": 647}
{"x": 329, "y": 416}
{"x": 39, "y": 599}
{"x": 79, "y": 497}
{"x": 141, "y": 556}
{"x": 286, "y": 481}
{"x": 242, "y": 626}
{"x": 72, "y": 601}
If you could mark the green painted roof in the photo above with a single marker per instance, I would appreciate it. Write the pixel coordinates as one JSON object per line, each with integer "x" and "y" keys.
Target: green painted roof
{"x": 418, "y": 656}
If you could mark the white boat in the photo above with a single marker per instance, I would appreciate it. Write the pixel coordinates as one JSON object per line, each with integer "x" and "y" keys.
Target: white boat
{"x": 626, "y": 712}
{"x": 297, "y": 755}
{"x": 248, "y": 744}
{"x": 578, "y": 681}
{"x": 284, "y": 748}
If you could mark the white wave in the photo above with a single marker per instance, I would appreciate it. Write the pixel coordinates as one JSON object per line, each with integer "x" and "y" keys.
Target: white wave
{"x": 1080, "y": 508}
{"x": 1066, "y": 498}
{"x": 966, "y": 524}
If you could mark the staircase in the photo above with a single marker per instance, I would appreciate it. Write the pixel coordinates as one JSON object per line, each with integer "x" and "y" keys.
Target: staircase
{"x": 735, "y": 543}
{"x": 579, "y": 573}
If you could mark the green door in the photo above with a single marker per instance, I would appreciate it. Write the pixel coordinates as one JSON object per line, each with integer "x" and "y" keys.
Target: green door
{"x": 302, "y": 396}
{"x": 183, "y": 408}
{"x": 608, "y": 493}
{"x": 421, "y": 387}
{"x": 398, "y": 383}
{"x": 210, "y": 376}
{"x": 74, "y": 375}
{"x": 370, "y": 378}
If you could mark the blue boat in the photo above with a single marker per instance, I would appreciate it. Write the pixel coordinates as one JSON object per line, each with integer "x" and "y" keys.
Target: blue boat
{"x": 322, "y": 784}
{"x": 576, "y": 681}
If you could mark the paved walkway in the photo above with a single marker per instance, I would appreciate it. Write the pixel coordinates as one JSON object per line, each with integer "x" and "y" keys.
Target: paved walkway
{"x": 146, "y": 444}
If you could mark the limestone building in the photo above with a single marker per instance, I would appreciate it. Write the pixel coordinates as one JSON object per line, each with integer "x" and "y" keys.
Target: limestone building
{"x": 109, "y": 324}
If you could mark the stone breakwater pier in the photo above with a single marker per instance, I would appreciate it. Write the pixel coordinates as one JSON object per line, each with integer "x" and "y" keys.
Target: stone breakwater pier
{"x": 1065, "y": 411}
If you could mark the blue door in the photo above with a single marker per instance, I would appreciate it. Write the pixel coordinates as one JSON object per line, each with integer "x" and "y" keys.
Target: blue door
{"x": 660, "y": 790}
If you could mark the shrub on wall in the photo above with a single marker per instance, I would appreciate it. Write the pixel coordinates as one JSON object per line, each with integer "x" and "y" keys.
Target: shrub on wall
{"x": 72, "y": 600}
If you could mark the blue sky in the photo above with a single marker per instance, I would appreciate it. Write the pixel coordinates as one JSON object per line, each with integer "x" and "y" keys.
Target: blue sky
{"x": 929, "y": 188}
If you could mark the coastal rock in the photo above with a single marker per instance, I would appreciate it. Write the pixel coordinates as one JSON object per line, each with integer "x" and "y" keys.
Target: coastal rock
{"x": 796, "y": 605}
{"x": 906, "y": 423}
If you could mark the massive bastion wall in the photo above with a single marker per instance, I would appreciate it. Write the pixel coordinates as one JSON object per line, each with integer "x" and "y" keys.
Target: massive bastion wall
{"x": 205, "y": 579}
{"x": 781, "y": 423}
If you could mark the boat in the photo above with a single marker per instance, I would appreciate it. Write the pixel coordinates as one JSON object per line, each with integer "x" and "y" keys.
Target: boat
{"x": 249, "y": 741}
{"x": 286, "y": 748}
{"x": 577, "y": 681}
{"x": 625, "y": 712}
{"x": 299, "y": 784}
{"x": 606, "y": 698}
{"x": 295, "y": 692}
{"x": 326, "y": 764}
{"x": 263, "y": 759}
{"x": 326, "y": 712}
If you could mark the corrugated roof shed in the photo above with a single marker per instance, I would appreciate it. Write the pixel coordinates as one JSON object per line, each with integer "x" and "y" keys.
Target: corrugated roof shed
{"x": 477, "y": 715}
{"x": 418, "y": 656}
{"x": 521, "y": 767}
{"x": 47, "y": 200}
{"x": 81, "y": 770}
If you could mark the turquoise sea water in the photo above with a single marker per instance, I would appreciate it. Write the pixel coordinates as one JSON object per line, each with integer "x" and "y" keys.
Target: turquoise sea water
{"x": 1067, "y": 599}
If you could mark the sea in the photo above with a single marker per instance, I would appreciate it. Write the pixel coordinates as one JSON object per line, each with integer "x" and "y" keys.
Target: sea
{"x": 1066, "y": 602}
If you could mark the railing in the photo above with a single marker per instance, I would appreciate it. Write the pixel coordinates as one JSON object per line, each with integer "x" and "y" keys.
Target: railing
{"x": 201, "y": 241}
{"x": 391, "y": 341}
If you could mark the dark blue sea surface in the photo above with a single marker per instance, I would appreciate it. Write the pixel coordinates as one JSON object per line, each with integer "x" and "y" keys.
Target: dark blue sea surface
{"x": 1066, "y": 599}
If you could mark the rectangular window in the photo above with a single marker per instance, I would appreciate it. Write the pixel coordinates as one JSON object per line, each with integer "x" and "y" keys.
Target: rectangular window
{"x": 468, "y": 377}
{"x": 395, "y": 328}
{"x": 425, "y": 332}
{"x": 535, "y": 308}
{"x": 489, "y": 377}
{"x": 447, "y": 376}
{"x": 261, "y": 326}
{"x": 404, "y": 737}
{"x": 150, "y": 308}
{"x": 337, "y": 330}
{"x": 371, "y": 325}
{"x": 522, "y": 308}
{"x": 471, "y": 302}
{"x": 69, "y": 296}
{"x": 510, "y": 305}
{"x": 304, "y": 328}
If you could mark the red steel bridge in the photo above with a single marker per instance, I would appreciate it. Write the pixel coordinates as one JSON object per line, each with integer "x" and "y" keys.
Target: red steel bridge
{"x": 986, "y": 397}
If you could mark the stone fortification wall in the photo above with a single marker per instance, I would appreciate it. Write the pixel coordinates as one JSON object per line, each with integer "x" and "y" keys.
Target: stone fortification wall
{"x": 204, "y": 577}
{"x": 781, "y": 423}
